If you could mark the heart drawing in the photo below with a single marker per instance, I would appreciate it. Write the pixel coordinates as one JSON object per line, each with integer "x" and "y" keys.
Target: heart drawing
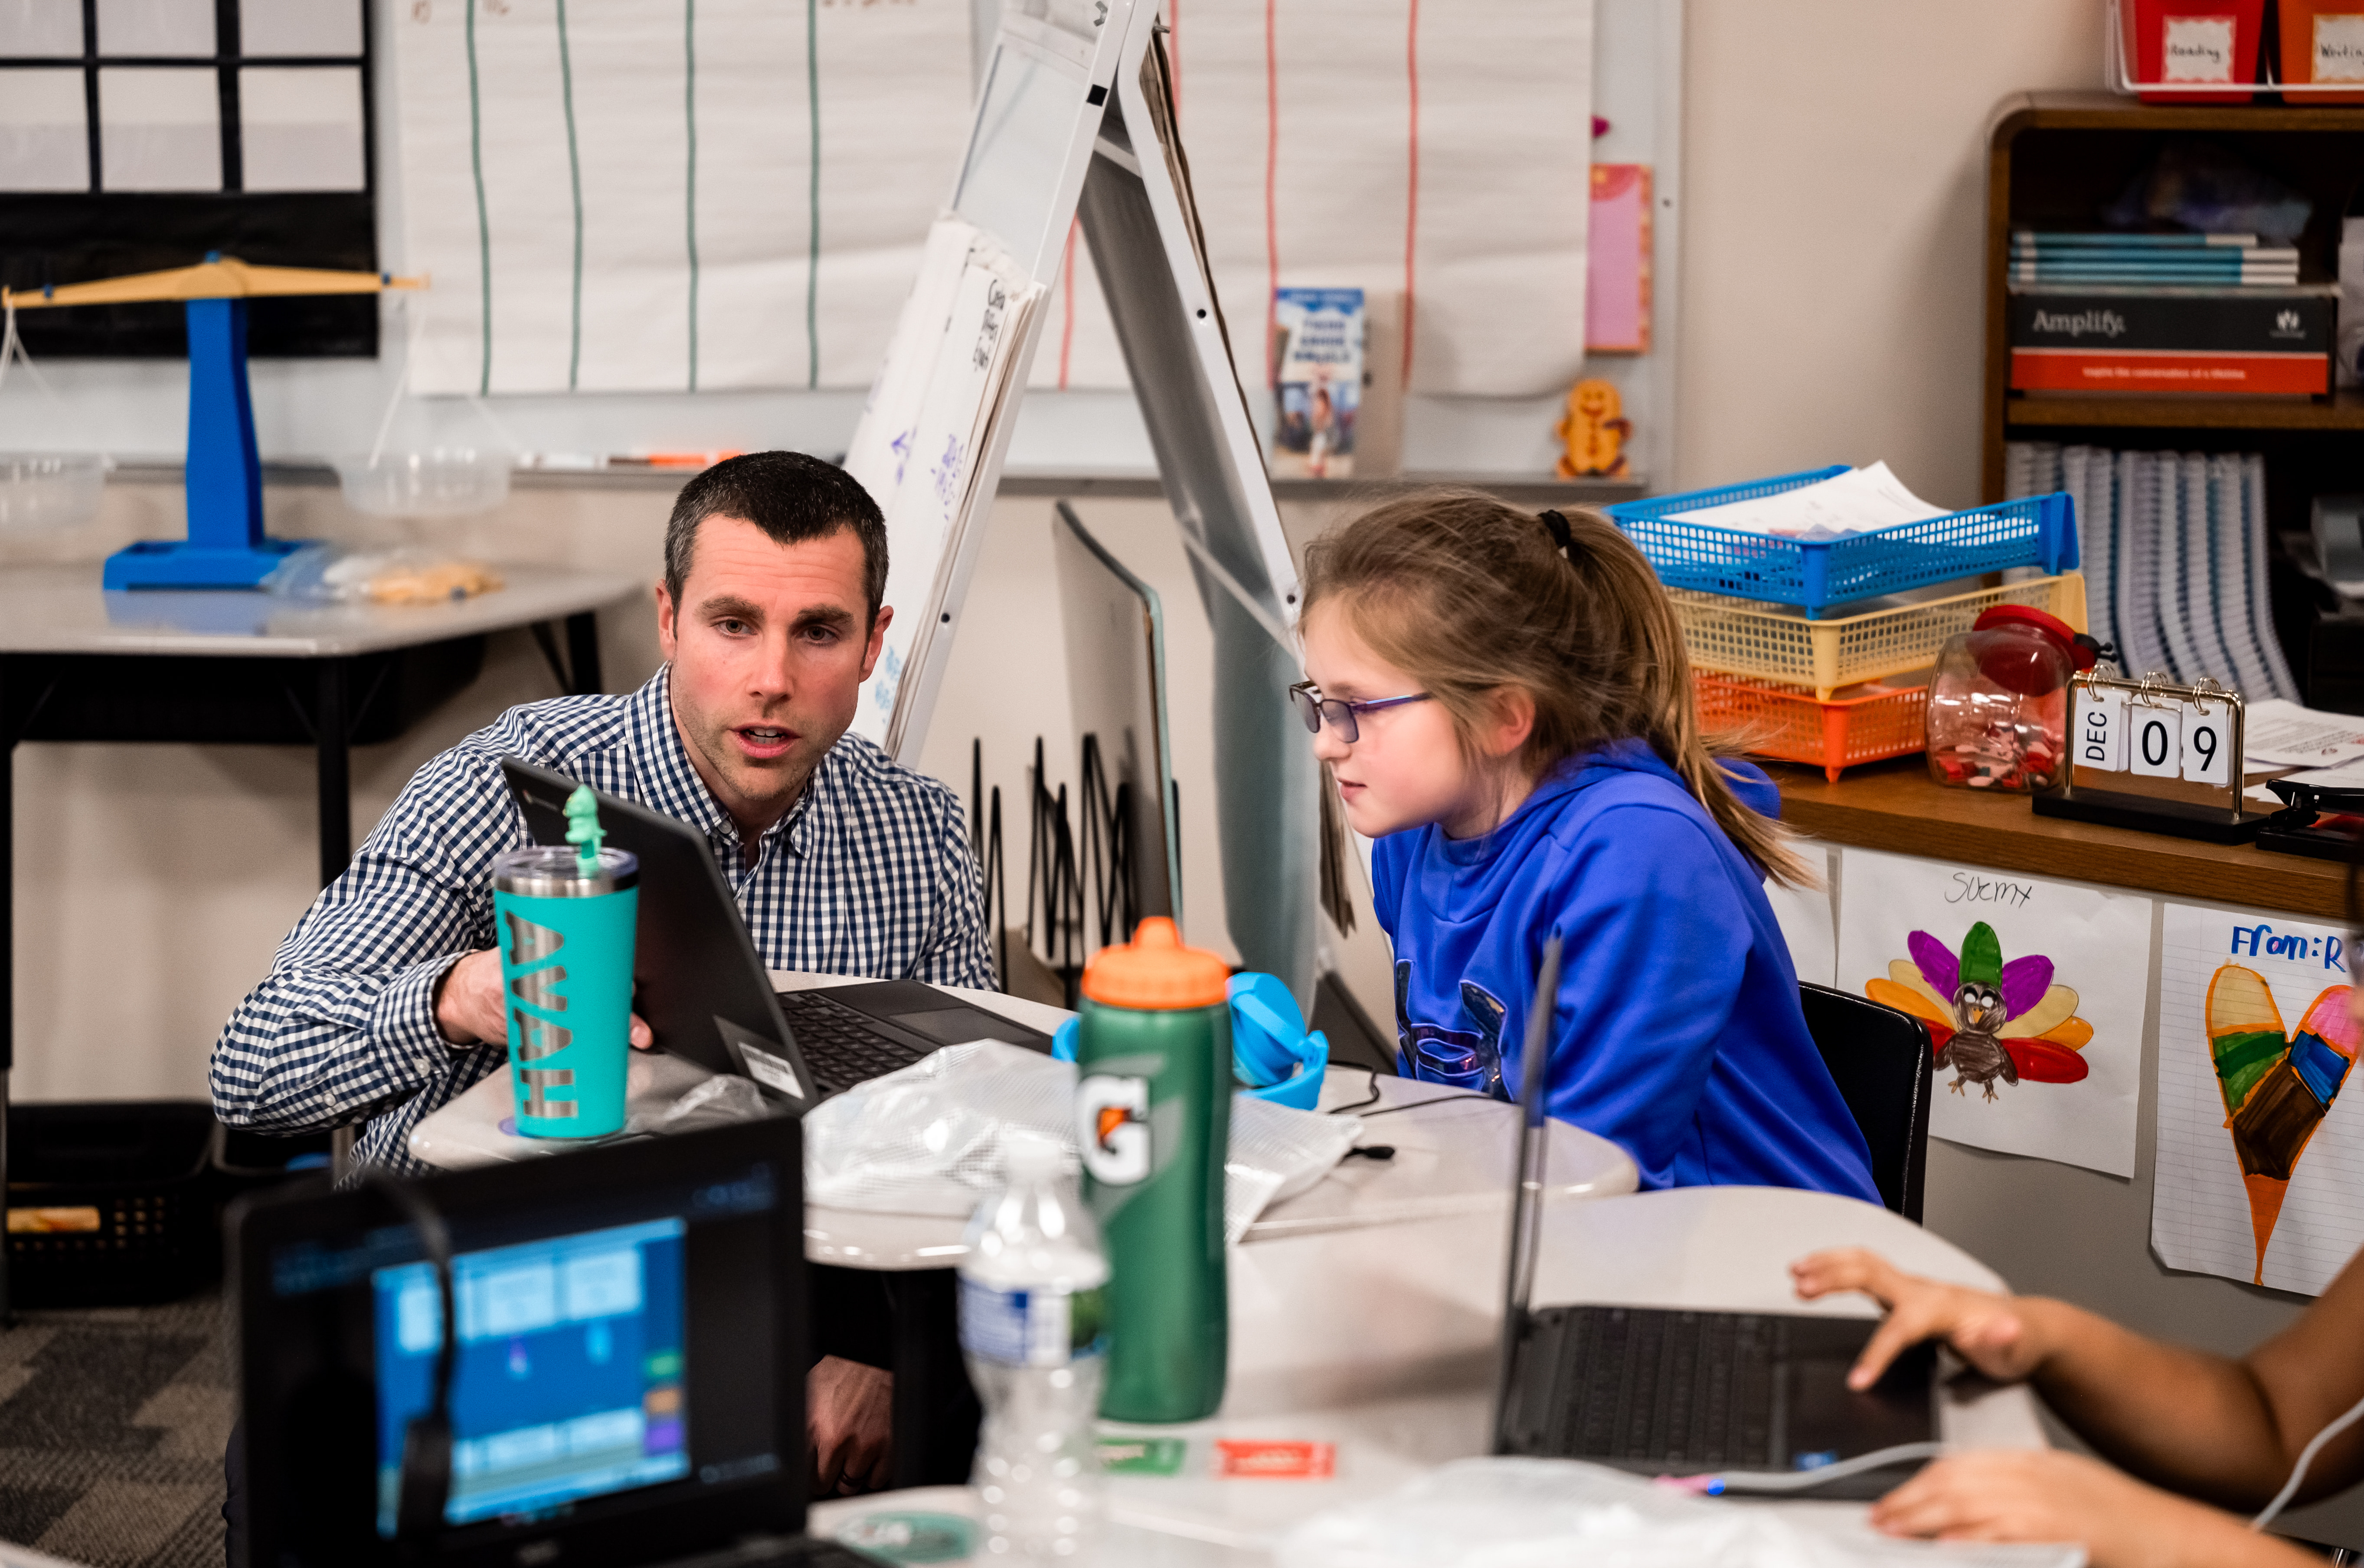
{"x": 2276, "y": 1086}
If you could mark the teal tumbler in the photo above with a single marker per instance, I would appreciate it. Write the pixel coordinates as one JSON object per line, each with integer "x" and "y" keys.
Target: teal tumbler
{"x": 565, "y": 940}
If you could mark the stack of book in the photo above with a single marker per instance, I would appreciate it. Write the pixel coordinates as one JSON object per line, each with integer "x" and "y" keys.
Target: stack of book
{"x": 2174, "y": 545}
{"x": 2211, "y": 313}
{"x": 2213, "y": 260}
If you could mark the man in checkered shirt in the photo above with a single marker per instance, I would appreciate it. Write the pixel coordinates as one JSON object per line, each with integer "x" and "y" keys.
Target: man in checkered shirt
{"x": 385, "y": 1000}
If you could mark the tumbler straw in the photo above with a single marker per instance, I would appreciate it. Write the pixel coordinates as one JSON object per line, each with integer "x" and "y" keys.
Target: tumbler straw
{"x": 583, "y": 829}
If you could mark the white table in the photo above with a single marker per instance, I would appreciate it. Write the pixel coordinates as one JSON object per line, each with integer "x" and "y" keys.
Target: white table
{"x": 1384, "y": 1343}
{"x": 1451, "y": 1160}
{"x": 80, "y": 663}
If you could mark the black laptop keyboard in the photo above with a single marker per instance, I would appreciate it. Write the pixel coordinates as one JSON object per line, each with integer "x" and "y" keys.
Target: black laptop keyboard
{"x": 1679, "y": 1388}
{"x": 841, "y": 1046}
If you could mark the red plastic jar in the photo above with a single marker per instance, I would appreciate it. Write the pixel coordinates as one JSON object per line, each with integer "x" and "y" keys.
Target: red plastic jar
{"x": 1998, "y": 715}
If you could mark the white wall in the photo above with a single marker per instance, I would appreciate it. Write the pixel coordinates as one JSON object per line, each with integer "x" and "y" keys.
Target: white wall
{"x": 1831, "y": 277}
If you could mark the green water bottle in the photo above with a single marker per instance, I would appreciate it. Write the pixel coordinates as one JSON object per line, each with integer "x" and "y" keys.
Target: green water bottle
{"x": 1152, "y": 1118}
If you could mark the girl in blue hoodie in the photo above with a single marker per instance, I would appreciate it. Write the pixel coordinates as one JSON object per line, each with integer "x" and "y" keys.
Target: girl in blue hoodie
{"x": 1505, "y": 703}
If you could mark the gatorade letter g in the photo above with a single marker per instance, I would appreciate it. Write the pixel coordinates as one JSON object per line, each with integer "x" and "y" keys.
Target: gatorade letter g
{"x": 1112, "y": 1129}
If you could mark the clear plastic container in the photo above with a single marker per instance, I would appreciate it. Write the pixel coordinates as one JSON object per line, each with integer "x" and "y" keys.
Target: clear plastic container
{"x": 45, "y": 492}
{"x": 446, "y": 482}
{"x": 1999, "y": 701}
{"x": 1031, "y": 1311}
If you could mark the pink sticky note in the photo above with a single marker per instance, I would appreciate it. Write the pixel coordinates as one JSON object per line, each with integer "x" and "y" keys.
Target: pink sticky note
{"x": 1617, "y": 265}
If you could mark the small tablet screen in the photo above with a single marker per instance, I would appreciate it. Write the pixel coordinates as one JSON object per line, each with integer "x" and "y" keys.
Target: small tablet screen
{"x": 569, "y": 1381}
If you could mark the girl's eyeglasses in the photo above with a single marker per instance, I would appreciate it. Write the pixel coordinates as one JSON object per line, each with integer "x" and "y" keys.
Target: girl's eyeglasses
{"x": 1340, "y": 713}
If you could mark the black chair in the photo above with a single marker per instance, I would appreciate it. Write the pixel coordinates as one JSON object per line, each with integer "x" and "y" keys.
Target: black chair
{"x": 1880, "y": 1058}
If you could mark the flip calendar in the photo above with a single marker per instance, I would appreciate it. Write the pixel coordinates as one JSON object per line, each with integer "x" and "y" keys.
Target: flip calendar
{"x": 2155, "y": 755}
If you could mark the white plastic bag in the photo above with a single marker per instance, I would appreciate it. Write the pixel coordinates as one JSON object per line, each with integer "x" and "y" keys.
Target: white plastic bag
{"x": 1546, "y": 1513}
{"x": 928, "y": 1139}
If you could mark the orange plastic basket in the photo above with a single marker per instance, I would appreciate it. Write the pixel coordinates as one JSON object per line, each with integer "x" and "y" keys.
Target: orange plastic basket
{"x": 1868, "y": 723}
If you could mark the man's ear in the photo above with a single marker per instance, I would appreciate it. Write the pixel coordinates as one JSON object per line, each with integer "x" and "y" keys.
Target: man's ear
{"x": 879, "y": 624}
{"x": 668, "y": 632}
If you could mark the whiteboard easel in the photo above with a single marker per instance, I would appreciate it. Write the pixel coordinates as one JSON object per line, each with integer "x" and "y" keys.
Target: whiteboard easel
{"x": 1074, "y": 121}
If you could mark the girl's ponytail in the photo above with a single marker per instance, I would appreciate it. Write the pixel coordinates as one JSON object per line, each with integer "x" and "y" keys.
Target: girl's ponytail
{"x": 1470, "y": 595}
{"x": 1663, "y": 669}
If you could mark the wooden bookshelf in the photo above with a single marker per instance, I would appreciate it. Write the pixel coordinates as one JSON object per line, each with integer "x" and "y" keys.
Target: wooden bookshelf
{"x": 2055, "y": 158}
{"x": 1896, "y": 806}
{"x": 2343, "y": 411}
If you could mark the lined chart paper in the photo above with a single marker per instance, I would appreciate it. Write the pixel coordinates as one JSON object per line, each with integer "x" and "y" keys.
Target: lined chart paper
{"x": 2269, "y": 976}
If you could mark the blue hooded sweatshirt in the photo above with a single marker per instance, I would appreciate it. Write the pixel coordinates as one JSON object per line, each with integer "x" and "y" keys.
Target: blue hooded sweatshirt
{"x": 1676, "y": 1031}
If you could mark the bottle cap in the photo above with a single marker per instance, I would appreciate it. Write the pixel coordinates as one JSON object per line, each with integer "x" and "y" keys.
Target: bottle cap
{"x": 1032, "y": 1157}
{"x": 1155, "y": 973}
{"x": 2052, "y": 626}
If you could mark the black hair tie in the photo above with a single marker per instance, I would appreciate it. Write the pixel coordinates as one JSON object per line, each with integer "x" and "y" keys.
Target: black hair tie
{"x": 1561, "y": 538}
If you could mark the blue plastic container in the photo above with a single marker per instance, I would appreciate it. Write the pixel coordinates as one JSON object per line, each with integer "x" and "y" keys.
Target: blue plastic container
{"x": 1813, "y": 574}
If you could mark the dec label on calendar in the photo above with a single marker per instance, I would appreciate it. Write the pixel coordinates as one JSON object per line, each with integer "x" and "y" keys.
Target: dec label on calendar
{"x": 2101, "y": 732}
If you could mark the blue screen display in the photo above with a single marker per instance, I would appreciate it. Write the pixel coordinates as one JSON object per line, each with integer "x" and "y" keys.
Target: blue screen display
{"x": 569, "y": 1379}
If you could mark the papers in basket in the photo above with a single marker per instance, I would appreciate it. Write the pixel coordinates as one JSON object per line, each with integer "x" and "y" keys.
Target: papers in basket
{"x": 1854, "y": 502}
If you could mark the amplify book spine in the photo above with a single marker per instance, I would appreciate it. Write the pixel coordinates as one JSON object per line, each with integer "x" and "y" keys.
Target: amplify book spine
{"x": 2209, "y": 342}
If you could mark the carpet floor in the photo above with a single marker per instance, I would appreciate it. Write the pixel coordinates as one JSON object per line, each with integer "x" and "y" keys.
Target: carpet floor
{"x": 112, "y": 1426}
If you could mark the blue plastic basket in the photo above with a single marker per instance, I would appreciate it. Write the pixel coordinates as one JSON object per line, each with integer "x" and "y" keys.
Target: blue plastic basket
{"x": 2036, "y": 530}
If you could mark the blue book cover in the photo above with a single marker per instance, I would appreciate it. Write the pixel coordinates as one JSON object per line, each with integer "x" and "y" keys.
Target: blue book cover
{"x": 1317, "y": 373}
{"x": 2046, "y": 239}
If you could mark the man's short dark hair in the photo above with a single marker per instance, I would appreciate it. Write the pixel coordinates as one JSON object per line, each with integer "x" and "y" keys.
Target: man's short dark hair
{"x": 792, "y": 497}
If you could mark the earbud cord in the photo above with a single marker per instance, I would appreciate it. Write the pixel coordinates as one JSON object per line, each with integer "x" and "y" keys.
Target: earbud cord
{"x": 2305, "y": 1458}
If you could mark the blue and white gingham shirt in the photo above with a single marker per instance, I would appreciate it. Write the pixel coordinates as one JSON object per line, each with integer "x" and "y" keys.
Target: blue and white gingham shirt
{"x": 869, "y": 873}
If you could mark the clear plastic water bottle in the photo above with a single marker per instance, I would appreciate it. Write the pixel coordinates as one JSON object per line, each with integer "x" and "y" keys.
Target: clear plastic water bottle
{"x": 1031, "y": 1319}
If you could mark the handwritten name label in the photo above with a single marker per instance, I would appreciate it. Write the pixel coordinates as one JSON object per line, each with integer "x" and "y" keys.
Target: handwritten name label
{"x": 2261, "y": 940}
{"x": 1969, "y": 888}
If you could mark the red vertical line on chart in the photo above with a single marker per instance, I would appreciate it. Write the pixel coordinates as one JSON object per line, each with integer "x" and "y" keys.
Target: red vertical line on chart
{"x": 1411, "y": 178}
{"x": 1271, "y": 183}
{"x": 1067, "y": 296}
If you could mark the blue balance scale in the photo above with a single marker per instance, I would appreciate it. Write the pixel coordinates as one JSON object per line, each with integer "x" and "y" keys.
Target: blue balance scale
{"x": 225, "y": 547}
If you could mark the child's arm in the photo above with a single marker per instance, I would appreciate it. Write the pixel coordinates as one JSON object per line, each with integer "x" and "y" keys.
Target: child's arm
{"x": 2205, "y": 1424}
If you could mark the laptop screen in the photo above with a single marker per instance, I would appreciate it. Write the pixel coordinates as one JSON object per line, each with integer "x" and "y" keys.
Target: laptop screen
{"x": 568, "y": 1384}
{"x": 627, "y": 1366}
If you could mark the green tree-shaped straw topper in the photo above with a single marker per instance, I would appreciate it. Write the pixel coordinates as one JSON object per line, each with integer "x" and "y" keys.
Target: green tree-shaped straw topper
{"x": 583, "y": 829}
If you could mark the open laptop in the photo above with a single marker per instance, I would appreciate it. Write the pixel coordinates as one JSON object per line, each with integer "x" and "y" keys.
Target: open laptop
{"x": 700, "y": 984}
{"x": 1680, "y": 1393}
{"x": 628, "y": 1389}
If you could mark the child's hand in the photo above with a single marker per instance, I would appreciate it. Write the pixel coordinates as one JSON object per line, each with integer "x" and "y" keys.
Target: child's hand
{"x": 1989, "y": 1331}
{"x": 2046, "y": 1496}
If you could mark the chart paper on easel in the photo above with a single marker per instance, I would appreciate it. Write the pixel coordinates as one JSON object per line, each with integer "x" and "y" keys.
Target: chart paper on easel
{"x": 1442, "y": 151}
{"x": 935, "y": 459}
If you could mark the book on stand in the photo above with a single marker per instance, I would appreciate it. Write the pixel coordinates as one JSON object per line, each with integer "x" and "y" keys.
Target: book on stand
{"x": 1318, "y": 346}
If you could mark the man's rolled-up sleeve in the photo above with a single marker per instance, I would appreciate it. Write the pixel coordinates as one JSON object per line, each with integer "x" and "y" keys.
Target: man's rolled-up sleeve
{"x": 343, "y": 1027}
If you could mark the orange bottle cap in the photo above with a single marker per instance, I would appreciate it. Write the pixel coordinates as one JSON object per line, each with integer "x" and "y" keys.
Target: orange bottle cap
{"x": 1155, "y": 973}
